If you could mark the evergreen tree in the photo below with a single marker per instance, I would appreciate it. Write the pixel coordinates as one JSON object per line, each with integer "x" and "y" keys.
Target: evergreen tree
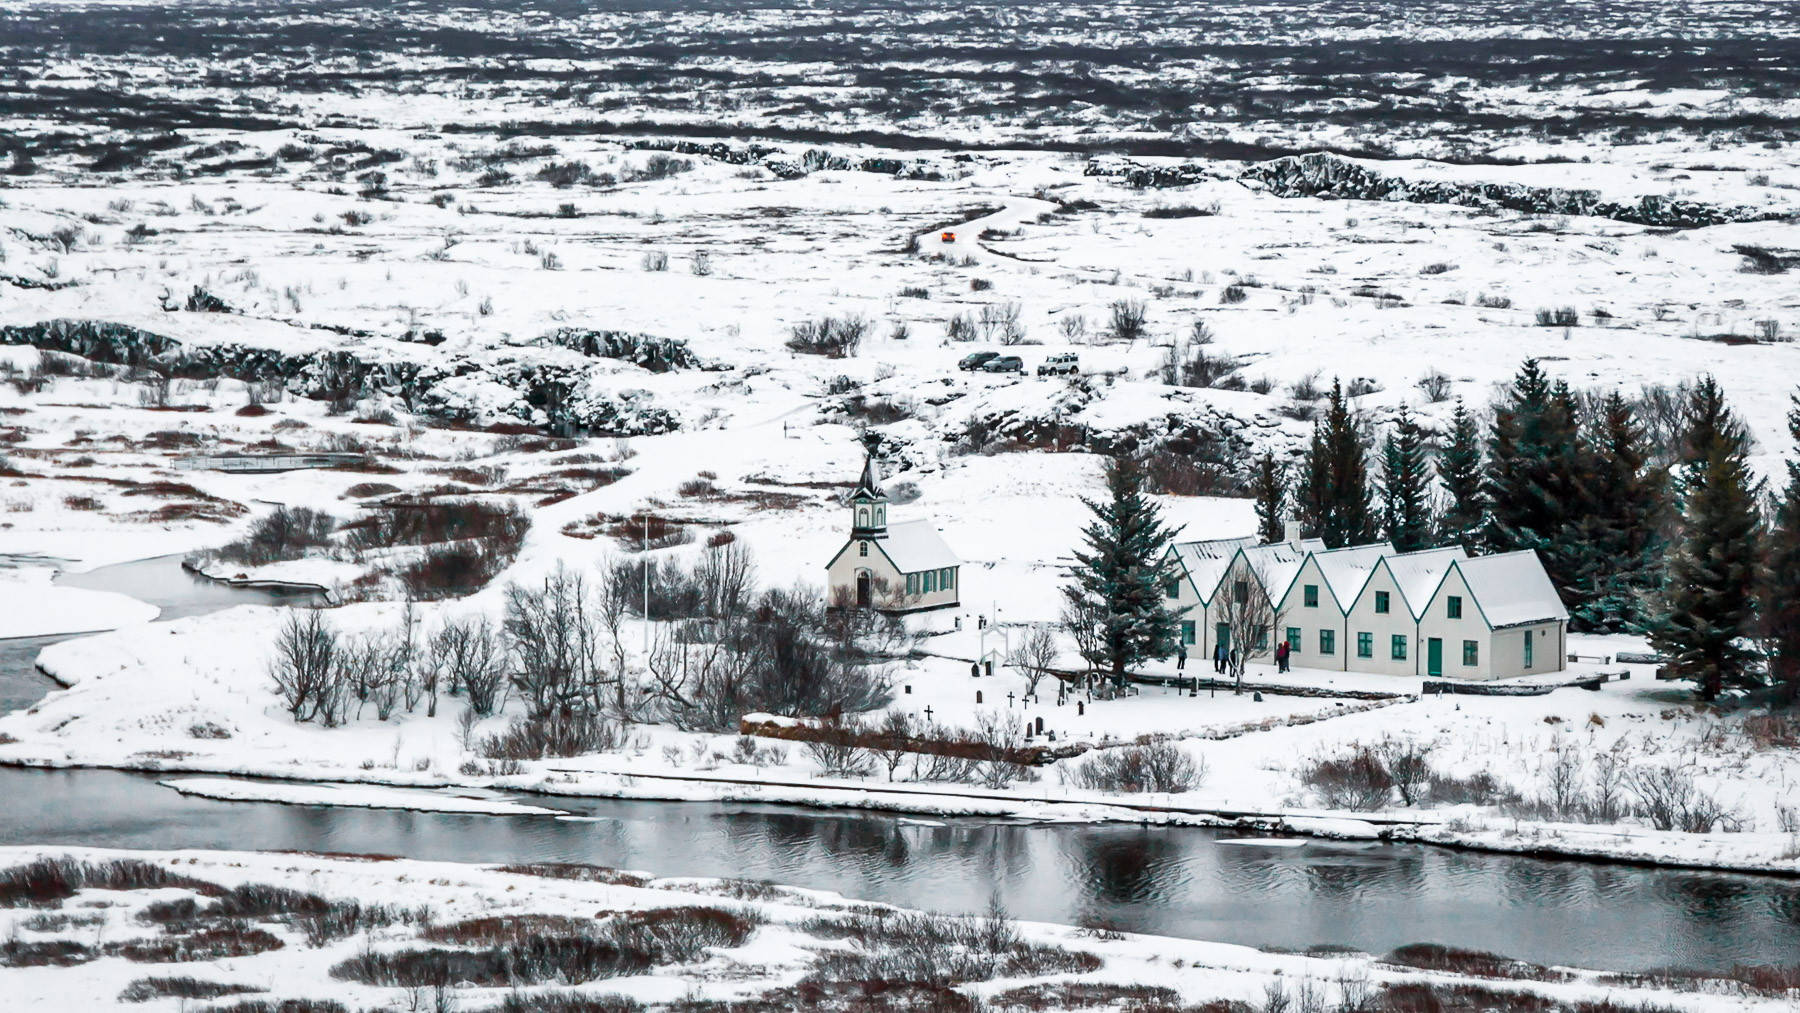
{"x": 1781, "y": 583}
{"x": 1270, "y": 488}
{"x": 1123, "y": 574}
{"x": 1334, "y": 496}
{"x": 1707, "y": 603}
{"x": 1534, "y": 474}
{"x": 1459, "y": 468}
{"x": 1617, "y": 546}
{"x": 1406, "y": 486}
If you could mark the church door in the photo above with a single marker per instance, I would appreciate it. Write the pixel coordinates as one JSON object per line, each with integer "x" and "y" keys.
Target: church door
{"x": 864, "y": 597}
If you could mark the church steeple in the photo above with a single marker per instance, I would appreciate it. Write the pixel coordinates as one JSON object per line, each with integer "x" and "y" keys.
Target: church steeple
{"x": 868, "y": 504}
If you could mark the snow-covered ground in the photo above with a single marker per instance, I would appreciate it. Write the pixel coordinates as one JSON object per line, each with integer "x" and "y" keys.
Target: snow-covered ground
{"x": 122, "y": 927}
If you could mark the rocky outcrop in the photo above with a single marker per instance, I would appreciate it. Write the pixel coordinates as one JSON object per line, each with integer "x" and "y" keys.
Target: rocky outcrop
{"x": 788, "y": 166}
{"x": 1331, "y": 177}
{"x": 561, "y": 398}
{"x": 658, "y": 355}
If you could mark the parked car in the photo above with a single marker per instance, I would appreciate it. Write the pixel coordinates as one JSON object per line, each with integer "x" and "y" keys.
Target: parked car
{"x": 976, "y": 360}
{"x": 1004, "y": 364}
{"x": 1066, "y": 364}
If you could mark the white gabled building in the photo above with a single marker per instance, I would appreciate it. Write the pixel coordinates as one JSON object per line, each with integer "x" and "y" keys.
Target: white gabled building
{"x": 1366, "y": 608}
{"x": 1495, "y": 617}
{"x": 898, "y": 567}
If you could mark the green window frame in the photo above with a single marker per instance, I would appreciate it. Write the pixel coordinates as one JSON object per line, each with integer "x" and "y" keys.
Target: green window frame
{"x": 930, "y": 581}
{"x": 1365, "y": 645}
{"x": 1262, "y": 638}
{"x": 1294, "y": 638}
{"x": 912, "y": 583}
{"x": 1471, "y": 653}
{"x": 1327, "y": 642}
{"x": 1241, "y": 591}
{"x": 1187, "y": 631}
{"x": 1172, "y": 589}
{"x": 1397, "y": 646}
{"x": 1453, "y": 606}
{"x": 947, "y": 578}
{"x": 1382, "y": 603}
{"x": 1310, "y": 594}
{"x": 1527, "y": 648}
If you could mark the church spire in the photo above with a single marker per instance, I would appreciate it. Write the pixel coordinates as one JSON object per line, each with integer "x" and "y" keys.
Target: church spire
{"x": 868, "y": 504}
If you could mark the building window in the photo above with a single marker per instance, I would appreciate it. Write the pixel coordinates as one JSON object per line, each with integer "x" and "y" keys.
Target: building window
{"x": 862, "y": 548}
{"x": 1327, "y": 641}
{"x": 880, "y": 516}
{"x": 1241, "y": 591}
{"x": 1453, "y": 607}
{"x": 862, "y": 518}
{"x": 1262, "y": 638}
{"x": 1294, "y": 636}
{"x": 1311, "y": 592}
{"x": 930, "y": 581}
{"x": 1187, "y": 631}
{"x": 1172, "y": 589}
{"x": 1365, "y": 645}
{"x": 912, "y": 583}
{"x": 947, "y": 578}
{"x": 1397, "y": 647}
{"x": 1381, "y": 603}
{"x": 1471, "y": 653}
{"x": 1527, "y": 648}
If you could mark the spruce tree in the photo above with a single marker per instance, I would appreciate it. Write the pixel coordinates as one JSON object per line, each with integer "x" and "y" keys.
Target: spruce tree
{"x": 1459, "y": 468}
{"x": 1534, "y": 474}
{"x": 1334, "y": 496}
{"x": 1270, "y": 488}
{"x": 1124, "y": 571}
{"x": 1781, "y": 582}
{"x": 1707, "y": 605}
{"x": 1618, "y": 544}
{"x": 1405, "y": 486}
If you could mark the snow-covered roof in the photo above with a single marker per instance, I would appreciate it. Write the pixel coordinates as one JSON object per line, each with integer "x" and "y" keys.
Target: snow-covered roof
{"x": 1206, "y": 562}
{"x": 1418, "y": 574}
{"x": 916, "y": 545}
{"x": 1348, "y": 568}
{"x": 1512, "y": 589}
{"x": 1277, "y": 563}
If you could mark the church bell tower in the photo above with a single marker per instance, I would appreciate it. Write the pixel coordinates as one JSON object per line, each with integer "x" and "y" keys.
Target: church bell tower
{"x": 868, "y": 505}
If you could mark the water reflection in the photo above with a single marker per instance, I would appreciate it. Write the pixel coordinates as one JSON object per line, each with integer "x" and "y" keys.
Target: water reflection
{"x": 1173, "y": 881}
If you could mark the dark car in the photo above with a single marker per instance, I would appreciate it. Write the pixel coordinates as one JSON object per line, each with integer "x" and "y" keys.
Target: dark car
{"x": 1004, "y": 364}
{"x": 976, "y": 360}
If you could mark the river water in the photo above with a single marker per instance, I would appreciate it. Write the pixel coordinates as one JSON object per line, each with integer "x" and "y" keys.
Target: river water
{"x": 1183, "y": 882}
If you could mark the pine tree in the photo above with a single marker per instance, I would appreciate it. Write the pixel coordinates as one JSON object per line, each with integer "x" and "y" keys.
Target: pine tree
{"x": 1707, "y": 604}
{"x": 1781, "y": 582}
{"x": 1125, "y": 570}
{"x": 1270, "y": 488}
{"x": 1459, "y": 468}
{"x": 1334, "y": 499}
{"x": 1534, "y": 474}
{"x": 1617, "y": 545}
{"x": 1406, "y": 486}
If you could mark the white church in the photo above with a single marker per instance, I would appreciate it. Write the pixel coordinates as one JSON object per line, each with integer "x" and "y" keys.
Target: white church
{"x": 893, "y": 567}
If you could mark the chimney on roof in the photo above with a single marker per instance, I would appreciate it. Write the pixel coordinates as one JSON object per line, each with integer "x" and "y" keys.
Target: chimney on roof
{"x": 1292, "y": 531}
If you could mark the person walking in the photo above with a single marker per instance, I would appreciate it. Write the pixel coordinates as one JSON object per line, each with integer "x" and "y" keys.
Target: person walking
{"x": 1219, "y": 656}
{"x": 1281, "y": 657}
{"x": 1181, "y": 659}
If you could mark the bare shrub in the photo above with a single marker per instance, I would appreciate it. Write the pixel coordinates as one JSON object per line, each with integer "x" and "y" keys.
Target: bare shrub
{"x": 832, "y": 337}
{"x": 1561, "y": 316}
{"x": 1127, "y": 321}
{"x": 565, "y": 732}
{"x": 146, "y": 989}
{"x": 284, "y": 533}
{"x": 471, "y": 658}
{"x": 1668, "y": 797}
{"x": 655, "y": 260}
{"x": 1436, "y": 387}
{"x": 929, "y": 949}
{"x": 1357, "y": 780}
{"x": 304, "y": 666}
{"x": 836, "y": 751}
{"x": 1160, "y": 766}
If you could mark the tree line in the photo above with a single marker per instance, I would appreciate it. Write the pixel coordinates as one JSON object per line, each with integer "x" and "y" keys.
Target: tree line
{"x": 1651, "y": 525}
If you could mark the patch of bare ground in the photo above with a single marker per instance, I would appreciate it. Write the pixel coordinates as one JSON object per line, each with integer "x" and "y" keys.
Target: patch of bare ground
{"x": 581, "y": 873}
{"x": 1475, "y": 963}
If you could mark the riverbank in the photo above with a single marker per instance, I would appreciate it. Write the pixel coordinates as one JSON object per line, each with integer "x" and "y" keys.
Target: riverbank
{"x": 354, "y": 930}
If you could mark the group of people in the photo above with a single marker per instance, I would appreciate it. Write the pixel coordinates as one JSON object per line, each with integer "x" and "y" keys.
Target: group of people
{"x": 1226, "y": 658}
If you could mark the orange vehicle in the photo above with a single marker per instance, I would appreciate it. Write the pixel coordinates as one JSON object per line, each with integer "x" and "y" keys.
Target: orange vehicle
{"x": 949, "y": 237}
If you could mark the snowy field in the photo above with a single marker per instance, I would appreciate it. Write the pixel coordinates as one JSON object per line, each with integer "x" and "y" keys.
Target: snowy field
{"x": 91, "y": 929}
{"x": 561, "y": 297}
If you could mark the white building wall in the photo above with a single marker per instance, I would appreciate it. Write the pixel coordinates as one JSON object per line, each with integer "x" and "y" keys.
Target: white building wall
{"x": 1188, "y": 608}
{"x": 1547, "y": 651}
{"x": 1381, "y": 628}
{"x": 1327, "y": 615}
{"x": 1436, "y": 622}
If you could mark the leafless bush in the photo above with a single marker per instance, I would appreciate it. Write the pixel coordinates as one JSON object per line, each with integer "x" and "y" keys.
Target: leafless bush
{"x": 472, "y": 659}
{"x": 1357, "y": 779}
{"x": 961, "y": 327}
{"x": 920, "y": 948}
{"x": 1000, "y": 322}
{"x": 1160, "y": 766}
{"x": 1489, "y": 300}
{"x": 1127, "y": 322}
{"x": 832, "y": 337}
{"x": 282, "y": 534}
{"x": 147, "y": 989}
{"x": 655, "y": 260}
{"x": 1668, "y": 797}
{"x": 305, "y": 664}
{"x": 562, "y": 732}
{"x": 836, "y": 751}
{"x": 1436, "y": 386}
{"x": 1561, "y": 316}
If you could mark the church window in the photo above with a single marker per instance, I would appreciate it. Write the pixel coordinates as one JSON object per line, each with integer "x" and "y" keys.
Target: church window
{"x": 862, "y": 548}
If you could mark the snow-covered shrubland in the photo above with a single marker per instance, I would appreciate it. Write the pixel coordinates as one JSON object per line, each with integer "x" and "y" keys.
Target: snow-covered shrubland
{"x": 89, "y": 928}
